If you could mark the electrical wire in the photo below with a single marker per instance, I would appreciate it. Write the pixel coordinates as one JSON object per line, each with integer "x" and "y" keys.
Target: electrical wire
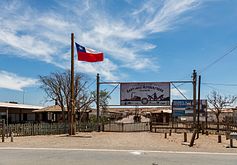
{"x": 218, "y": 59}
{"x": 112, "y": 91}
{"x": 219, "y": 84}
{"x": 91, "y": 84}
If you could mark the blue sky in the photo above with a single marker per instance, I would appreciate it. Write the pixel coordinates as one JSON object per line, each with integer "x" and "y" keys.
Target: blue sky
{"x": 160, "y": 40}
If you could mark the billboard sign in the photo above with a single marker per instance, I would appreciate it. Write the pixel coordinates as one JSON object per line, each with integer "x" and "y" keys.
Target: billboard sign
{"x": 185, "y": 107}
{"x": 145, "y": 94}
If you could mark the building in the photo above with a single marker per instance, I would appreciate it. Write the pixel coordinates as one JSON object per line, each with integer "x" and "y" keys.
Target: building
{"x": 13, "y": 112}
{"x": 54, "y": 114}
{"x": 160, "y": 114}
{"x": 49, "y": 114}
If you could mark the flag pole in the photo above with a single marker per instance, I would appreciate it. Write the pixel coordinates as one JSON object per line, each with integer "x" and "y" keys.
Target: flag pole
{"x": 72, "y": 114}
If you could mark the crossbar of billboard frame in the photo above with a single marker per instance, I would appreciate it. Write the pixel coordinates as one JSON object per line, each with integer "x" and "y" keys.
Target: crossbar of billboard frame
{"x": 112, "y": 82}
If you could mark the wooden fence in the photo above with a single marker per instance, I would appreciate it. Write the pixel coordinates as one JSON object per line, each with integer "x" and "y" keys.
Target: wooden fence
{"x": 189, "y": 126}
{"x": 61, "y": 128}
{"x": 31, "y": 129}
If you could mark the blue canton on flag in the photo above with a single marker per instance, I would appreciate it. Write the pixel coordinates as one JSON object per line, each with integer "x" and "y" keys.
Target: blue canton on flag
{"x": 80, "y": 48}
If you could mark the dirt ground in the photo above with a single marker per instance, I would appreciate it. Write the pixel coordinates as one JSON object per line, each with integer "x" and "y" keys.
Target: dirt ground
{"x": 126, "y": 141}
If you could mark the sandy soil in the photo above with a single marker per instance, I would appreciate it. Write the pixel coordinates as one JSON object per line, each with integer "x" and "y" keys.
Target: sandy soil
{"x": 130, "y": 141}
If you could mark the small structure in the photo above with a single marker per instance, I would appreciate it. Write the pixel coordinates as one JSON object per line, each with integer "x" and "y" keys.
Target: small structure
{"x": 234, "y": 115}
{"x": 13, "y": 112}
{"x": 49, "y": 114}
{"x": 161, "y": 116}
{"x": 54, "y": 114}
{"x": 233, "y": 135}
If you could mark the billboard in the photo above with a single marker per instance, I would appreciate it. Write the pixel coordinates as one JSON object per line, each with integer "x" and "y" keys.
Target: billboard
{"x": 185, "y": 107}
{"x": 145, "y": 94}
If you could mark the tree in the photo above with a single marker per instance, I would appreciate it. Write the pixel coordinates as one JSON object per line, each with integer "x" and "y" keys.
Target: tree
{"x": 104, "y": 100}
{"x": 57, "y": 87}
{"x": 219, "y": 102}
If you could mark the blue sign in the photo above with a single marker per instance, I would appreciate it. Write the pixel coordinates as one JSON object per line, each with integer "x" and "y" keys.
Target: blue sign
{"x": 185, "y": 107}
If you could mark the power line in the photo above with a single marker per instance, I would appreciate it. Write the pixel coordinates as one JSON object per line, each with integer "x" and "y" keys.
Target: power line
{"x": 213, "y": 87}
{"x": 91, "y": 84}
{"x": 220, "y": 58}
{"x": 220, "y": 84}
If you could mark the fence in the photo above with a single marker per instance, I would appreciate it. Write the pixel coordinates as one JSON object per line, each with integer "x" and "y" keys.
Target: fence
{"x": 189, "y": 126}
{"x": 127, "y": 127}
{"x": 61, "y": 128}
{"x": 31, "y": 129}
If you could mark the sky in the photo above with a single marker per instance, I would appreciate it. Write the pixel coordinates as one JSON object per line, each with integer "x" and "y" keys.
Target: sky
{"x": 142, "y": 41}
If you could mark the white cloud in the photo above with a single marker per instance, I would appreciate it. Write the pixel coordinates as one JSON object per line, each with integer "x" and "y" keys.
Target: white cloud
{"x": 169, "y": 14}
{"x": 28, "y": 44}
{"x": 105, "y": 68}
{"x": 177, "y": 95}
{"x": 15, "y": 82}
{"x": 45, "y": 36}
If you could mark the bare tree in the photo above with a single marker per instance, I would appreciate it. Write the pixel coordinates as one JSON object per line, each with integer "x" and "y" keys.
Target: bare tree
{"x": 57, "y": 87}
{"x": 219, "y": 102}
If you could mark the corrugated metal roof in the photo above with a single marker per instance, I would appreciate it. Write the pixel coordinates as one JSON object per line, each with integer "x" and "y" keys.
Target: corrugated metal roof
{"x": 20, "y": 106}
{"x": 53, "y": 108}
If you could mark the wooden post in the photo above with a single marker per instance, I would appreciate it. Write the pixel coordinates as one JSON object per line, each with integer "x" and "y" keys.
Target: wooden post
{"x": 98, "y": 101}
{"x": 3, "y": 130}
{"x": 165, "y": 135}
{"x": 150, "y": 126}
{"x": 219, "y": 138}
{"x": 231, "y": 143}
{"x": 12, "y": 134}
{"x": 72, "y": 114}
{"x": 7, "y": 122}
{"x": 193, "y": 138}
{"x": 227, "y": 135}
{"x": 185, "y": 136}
{"x": 194, "y": 97}
{"x": 199, "y": 103}
{"x": 202, "y": 128}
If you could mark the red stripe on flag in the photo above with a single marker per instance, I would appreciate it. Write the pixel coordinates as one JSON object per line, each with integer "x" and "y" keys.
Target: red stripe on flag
{"x": 89, "y": 57}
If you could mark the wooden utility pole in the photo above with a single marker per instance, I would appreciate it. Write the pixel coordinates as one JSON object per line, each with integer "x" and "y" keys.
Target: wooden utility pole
{"x": 72, "y": 130}
{"x": 194, "y": 97}
{"x": 199, "y": 104}
{"x": 97, "y": 100}
{"x": 194, "y": 108}
{"x": 199, "y": 100}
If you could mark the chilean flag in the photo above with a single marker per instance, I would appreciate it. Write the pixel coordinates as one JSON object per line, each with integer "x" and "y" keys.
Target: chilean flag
{"x": 88, "y": 55}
